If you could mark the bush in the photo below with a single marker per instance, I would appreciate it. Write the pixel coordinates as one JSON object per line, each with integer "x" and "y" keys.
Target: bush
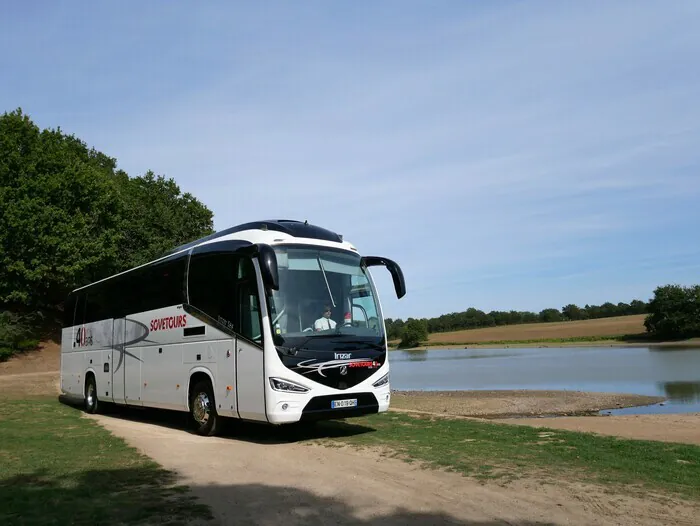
{"x": 16, "y": 334}
{"x": 674, "y": 312}
{"x": 414, "y": 332}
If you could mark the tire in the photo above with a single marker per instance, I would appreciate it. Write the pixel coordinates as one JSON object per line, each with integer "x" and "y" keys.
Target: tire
{"x": 203, "y": 416}
{"x": 92, "y": 404}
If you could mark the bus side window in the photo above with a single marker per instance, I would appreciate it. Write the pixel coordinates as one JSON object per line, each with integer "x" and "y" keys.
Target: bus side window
{"x": 249, "y": 324}
{"x": 80, "y": 309}
{"x": 211, "y": 285}
{"x": 69, "y": 309}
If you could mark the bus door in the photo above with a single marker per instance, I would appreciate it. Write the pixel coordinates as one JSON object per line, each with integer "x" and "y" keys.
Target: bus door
{"x": 118, "y": 360}
{"x": 250, "y": 373}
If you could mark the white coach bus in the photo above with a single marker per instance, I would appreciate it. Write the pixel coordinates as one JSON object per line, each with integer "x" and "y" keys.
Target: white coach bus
{"x": 271, "y": 321}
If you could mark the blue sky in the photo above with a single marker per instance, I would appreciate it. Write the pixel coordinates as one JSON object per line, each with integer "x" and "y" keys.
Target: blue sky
{"x": 509, "y": 155}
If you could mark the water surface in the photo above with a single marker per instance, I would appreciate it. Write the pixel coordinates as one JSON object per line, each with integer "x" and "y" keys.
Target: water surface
{"x": 672, "y": 373}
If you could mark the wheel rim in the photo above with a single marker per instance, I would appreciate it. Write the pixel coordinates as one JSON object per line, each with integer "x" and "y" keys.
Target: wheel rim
{"x": 90, "y": 396}
{"x": 200, "y": 408}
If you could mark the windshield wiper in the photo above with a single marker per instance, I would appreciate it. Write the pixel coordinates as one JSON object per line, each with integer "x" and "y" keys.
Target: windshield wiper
{"x": 371, "y": 345}
{"x": 318, "y": 258}
{"x": 294, "y": 349}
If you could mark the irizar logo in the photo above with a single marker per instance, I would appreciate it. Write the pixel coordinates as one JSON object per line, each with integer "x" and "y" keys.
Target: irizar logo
{"x": 343, "y": 356}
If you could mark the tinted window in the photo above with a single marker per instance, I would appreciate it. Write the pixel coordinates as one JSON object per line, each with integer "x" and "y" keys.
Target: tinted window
{"x": 69, "y": 310}
{"x": 211, "y": 285}
{"x": 249, "y": 320}
{"x": 160, "y": 285}
{"x": 144, "y": 289}
{"x": 79, "y": 318}
{"x": 94, "y": 310}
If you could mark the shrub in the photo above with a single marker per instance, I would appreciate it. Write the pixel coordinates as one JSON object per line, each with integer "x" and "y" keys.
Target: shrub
{"x": 16, "y": 334}
{"x": 674, "y": 312}
{"x": 414, "y": 332}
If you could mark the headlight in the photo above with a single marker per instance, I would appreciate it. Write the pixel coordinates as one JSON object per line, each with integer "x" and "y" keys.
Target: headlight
{"x": 287, "y": 386}
{"x": 382, "y": 381}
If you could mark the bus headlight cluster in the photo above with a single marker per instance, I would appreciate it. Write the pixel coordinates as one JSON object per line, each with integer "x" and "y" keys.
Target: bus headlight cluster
{"x": 287, "y": 386}
{"x": 382, "y": 381}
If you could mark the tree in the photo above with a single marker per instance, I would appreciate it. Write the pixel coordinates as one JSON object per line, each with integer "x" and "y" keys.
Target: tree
{"x": 59, "y": 213}
{"x": 550, "y": 315}
{"x": 414, "y": 332}
{"x": 157, "y": 218}
{"x": 68, "y": 217}
{"x": 573, "y": 312}
{"x": 638, "y": 307}
{"x": 674, "y": 312}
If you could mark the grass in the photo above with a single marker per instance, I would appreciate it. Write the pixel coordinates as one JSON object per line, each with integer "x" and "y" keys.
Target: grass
{"x": 505, "y": 452}
{"x": 59, "y": 468}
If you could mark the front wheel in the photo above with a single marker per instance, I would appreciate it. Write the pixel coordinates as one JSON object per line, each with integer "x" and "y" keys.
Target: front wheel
{"x": 203, "y": 414}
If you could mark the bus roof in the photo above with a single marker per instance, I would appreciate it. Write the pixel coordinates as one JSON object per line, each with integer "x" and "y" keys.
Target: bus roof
{"x": 272, "y": 232}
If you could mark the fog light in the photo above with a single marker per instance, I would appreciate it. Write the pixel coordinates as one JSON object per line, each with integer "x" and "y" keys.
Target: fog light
{"x": 284, "y": 407}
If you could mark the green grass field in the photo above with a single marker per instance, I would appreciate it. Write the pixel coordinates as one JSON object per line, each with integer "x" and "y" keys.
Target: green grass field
{"x": 59, "y": 468}
{"x": 505, "y": 452}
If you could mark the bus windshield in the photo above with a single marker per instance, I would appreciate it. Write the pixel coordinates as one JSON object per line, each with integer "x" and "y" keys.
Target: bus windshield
{"x": 323, "y": 293}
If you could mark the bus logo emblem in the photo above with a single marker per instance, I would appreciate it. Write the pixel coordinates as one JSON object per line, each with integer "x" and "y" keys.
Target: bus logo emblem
{"x": 344, "y": 370}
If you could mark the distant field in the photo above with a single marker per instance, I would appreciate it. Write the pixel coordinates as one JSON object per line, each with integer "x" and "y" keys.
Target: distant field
{"x": 618, "y": 326}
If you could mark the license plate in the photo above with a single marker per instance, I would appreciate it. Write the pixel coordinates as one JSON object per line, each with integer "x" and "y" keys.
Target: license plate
{"x": 335, "y": 404}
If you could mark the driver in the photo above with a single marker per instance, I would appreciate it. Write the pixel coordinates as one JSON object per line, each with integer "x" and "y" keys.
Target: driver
{"x": 324, "y": 322}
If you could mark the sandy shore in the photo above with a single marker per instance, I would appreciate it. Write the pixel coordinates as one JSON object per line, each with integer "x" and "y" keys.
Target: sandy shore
{"x": 515, "y": 403}
{"x": 556, "y": 410}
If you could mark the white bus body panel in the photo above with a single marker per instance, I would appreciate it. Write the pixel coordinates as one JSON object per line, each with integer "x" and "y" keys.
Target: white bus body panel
{"x": 250, "y": 390}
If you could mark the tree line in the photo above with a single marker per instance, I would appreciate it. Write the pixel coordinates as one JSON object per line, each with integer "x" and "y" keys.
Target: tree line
{"x": 69, "y": 216}
{"x": 673, "y": 313}
{"x": 473, "y": 318}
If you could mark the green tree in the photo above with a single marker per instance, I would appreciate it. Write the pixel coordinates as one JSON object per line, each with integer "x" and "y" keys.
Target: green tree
{"x": 573, "y": 312}
{"x": 59, "y": 214}
{"x": 157, "y": 217}
{"x": 674, "y": 312}
{"x": 549, "y": 315}
{"x": 68, "y": 217}
{"x": 414, "y": 332}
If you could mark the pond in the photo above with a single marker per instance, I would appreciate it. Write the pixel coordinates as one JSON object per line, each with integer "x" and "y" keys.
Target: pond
{"x": 670, "y": 372}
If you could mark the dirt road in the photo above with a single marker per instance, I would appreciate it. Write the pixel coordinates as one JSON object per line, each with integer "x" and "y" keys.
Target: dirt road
{"x": 251, "y": 478}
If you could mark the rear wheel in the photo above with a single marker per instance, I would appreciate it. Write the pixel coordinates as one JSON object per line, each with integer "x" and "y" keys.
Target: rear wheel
{"x": 91, "y": 401}
{"x": 203, "y": 416}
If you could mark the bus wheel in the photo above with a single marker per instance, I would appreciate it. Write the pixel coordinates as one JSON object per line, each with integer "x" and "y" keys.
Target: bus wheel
{"x": 91, "y": 402}
{"x": 203, "y": 409}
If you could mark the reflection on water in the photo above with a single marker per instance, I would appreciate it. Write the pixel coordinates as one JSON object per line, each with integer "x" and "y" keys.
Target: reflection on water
{"x": 672, "y": 373}
{"x": 686, "y": 392}
{"x": 421, "y": 355}
{"x": 417, "y": 355}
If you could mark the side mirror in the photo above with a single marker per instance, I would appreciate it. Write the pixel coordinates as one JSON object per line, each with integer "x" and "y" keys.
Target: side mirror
{"x": 393, "y": 268}
{"x": 268, "y": 266}
{"x": 268, "y": 263}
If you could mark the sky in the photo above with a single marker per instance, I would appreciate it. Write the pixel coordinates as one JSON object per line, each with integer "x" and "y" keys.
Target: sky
{"x": 508, "y": 155}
